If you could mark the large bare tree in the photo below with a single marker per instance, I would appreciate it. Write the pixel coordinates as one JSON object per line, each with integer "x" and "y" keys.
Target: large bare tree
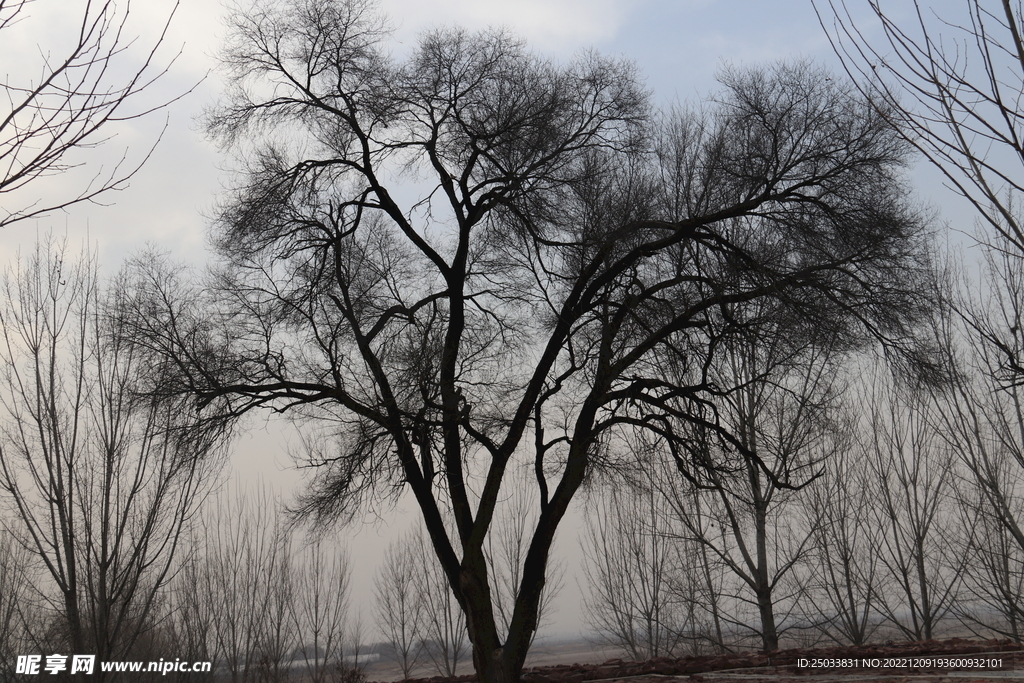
{"x": 506, "y": 307}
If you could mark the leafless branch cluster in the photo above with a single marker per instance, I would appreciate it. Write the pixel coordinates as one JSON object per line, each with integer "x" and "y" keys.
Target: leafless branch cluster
{"x": 70, "y": 100}
{"x": 952, "y": 82}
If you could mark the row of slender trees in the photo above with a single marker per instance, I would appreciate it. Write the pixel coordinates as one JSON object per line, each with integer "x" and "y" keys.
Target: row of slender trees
{"x": 253, "y": 598}
{"x": 260, "y": 601}
{"x": 903, "y": 529}
{"x": 876, "y": 500}
{"x": 252, "y": 594}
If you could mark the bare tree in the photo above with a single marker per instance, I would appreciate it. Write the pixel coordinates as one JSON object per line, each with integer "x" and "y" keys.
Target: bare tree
{"x": 188, "y": 627}
{"x": 979, "y": 412}
{"x": 509, "y": 314}
{"x": 398, "y": 603}
{"x": 952, "y": 80}
{"x": 280, "y": 636}
{"x": 444, "y": 623}
{"x": 703, "y": 578}
{"x": 778, "y": 401}
{"x": 915, "y": 471}
{"x": 994, "y": 579}
{"x": 68, "y": 102}
{"x": 99, "y": 479}
{"x": 845, "y": 577}
{"x": 259, "y": 604}
{"x": 321, "y": 610}
{"x": 240, "y": 537}
{"x": 631, "y": 552}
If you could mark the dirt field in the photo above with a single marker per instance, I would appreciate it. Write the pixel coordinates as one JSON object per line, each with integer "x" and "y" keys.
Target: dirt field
{"x": 949, "y": 661}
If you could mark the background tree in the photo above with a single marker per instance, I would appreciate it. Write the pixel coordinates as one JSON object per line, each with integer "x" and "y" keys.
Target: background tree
{"x": 99, "y": 480}
{"x": 506, "y": 547}
{"x": 69, "y": 102}
{"x": 777, "y": 400}
{"x": 632, "y": 549}
{"x": 444, "y": 623}
{"x": 241, "y": 540}
{"x": 512, "y": 311}
{"x": 398, "y": 603}
{"x": 993, "y": 582}
{"x": 979, "y": 414}
{"x": 844, "y": 574}
{"x": 417, "y": 614}
{"x": 915, "y": 471}
{"x": 279, "y": 635}
{"x": 321, "y": 608}
{"x": 189, "y": 624}
{"x": 260, "y": 601}
{"x": 701, "y": 578}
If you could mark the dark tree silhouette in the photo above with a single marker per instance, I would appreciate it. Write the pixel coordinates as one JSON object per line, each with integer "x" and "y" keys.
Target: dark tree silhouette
{"x": 469, "y": 260}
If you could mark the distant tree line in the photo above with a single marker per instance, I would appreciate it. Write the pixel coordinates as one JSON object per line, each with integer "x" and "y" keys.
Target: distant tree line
{"x": 906, "y": 519}
{"x": 902, "y": 530}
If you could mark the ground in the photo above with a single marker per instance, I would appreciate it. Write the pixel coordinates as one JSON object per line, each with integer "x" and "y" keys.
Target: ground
{"x": 955, "y": 660}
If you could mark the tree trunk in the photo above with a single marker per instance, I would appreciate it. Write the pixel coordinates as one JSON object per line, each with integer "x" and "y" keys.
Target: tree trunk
{"x": 769, "y": 634}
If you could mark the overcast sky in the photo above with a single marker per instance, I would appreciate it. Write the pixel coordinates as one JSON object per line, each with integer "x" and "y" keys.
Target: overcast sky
{"x": 677, "y": 44}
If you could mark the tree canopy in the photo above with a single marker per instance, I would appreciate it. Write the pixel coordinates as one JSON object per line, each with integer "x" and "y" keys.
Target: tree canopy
{"x": 475, "y": 260}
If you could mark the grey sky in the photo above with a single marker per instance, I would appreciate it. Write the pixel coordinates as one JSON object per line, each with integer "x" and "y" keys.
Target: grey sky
{"x": 677, "y": 44}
